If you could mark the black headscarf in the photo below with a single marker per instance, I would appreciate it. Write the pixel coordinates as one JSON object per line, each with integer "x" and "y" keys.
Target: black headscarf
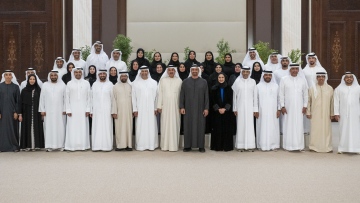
{"x": 67, "y": 77}
{"x": 256, "y": 75}
{"x": 228, "y": 67}
{"x": 235, "y": 75}
{"x": 91, "y": 77}
{"x": 142, "y": 61}
{"x": 113, "y": 79}
{"x": 189, "y": 62}
{"x": 218, "y": 84}
{"x": 154, "y": 63}
{"x": 156, "y": 76}
{"x": 174, "y": 63}
{"x": 209, "y": 65}
{"x": 26, "y": 93}
{"x": 183, "y": 75}
{"x": 133, "y": 73}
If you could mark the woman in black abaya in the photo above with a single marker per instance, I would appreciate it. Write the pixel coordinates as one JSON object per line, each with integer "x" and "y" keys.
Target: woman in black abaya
{"x": 228, "y": 67}
{"x": 174, "y": 60}
{"x": 157, "y": 59}
{"x": 191, "y": 60}
{"x": 209, "y": 63}
{"x": 140, "y": 58}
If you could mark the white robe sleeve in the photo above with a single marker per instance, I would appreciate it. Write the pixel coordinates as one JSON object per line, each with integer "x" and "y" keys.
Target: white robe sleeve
{"x": 64, "y": 100}
{"x": 133, "y": 99}
{"x": 159, "y": 96}
{"x": 91, "y": 100}
{"x": 282, "y": 93}
{"x": 305, "y": 95}
{"x": 114, "y": 103}
{"x": 88, "y": 99}
{"x": 234, "y": 101}
{"x": 42, "y": 107}
{"x": 67, "y": 99}
{"x": 337, "y": 102}
{"x": 256, "y": 105}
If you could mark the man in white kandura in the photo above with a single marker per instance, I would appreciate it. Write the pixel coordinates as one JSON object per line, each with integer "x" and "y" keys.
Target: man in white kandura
{"x": 27, "y": 73}
{"x": 251, "y": 57}
{"x": 293, "y": 100}
{"x": 76, "y": 58}
{"x": 347, "y": 112}
{"x": 102, "y": 125}
{"x": 115, "y": 61}
{"x": 60, "y": 66}
{"x": 77, "y": 109}
{"x": 144, "y": 108}
{"x": 245, "y": 107}
{"x": 168, "y": 105}
{"x": 122, "y": 112}
{"x": 273, "y": 62}
{"x": 267, "y": 125}
{"x": 97, "y": 57}
{"x": 52, "y": 108}
{"x": 283, "y": 71}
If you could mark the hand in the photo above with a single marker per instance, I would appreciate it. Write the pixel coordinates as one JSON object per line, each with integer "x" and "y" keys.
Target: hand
{"x": 0, "y": 116}
{"x": 114, "y": 116}
{"x": 337, "y": 117}
{"x": 222, "y": 111}
{"x": 304, "y": 110}
{"x": 235, "y": 112}
{"x": 43, "y": 113}
{"x": 90, "y": 115}
{"x": 205, "y": 113}
{"x": 69, "y": 114}
{"x": 278, "y": 113}
{"x": 87, "y": 114}
{"x": 64, "y": 113}
{"x": 283, "y": 111}
{"x": 16, "y": 116}
{"x": 155, "y": 112}
{"x": 308, "y": 116}
{"x": 256, "y": 114}
{"x": 20, "y": 118}
{"x": 182, "y": 111}
{"x": 159, "y": 110}
{"x": 332, "y": 117}
{"x": 135, "y": 114}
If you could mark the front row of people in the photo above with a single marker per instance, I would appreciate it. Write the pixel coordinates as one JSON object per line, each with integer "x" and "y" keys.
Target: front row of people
{"x": 65, "y": 110}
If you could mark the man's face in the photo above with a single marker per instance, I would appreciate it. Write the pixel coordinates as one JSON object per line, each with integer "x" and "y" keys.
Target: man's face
{"x": 76, "y": 55}
{"x": 320, "y": 79}
{"x": 98, "y": 48}
{"x": 171, "y": 72}
{"x": 274, "y": 59}
{"x": 53, "y": 77}
{"x": 123, "y": 78}
{"x": 312, "y": 60}
{"x": 245, "y": 73}
{"x": 102, "y": 76}
{"x": 78, "y": 74}
{"x": 29, "y": 72}
{"x": 144, "y": 74}
{"x": 252, "y": 55}
{"x": 349, "y": 79}
{"x": 285, "y": 63}
{"x": 294, "y": 71}
{"x": 116, "y": 55}
{"x": 8, "y": 77}
{"x": 194, "y": 72}
{"x": 267, "y": 77}
{"x": 59, "y": 63}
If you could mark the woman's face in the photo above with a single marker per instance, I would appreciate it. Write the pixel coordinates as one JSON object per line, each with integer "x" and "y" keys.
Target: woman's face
{"x": 237, "y": 69}
{"x": 227, "y": 58}
{"x": 256, "y": 67}
{"x": 32, "y": 80}
{"x": 218, "y": 69}
{"x": 192, "y": 55}
{"x": 140, "y": 54}
{"x": 135, "y": 66}
{"x": 159, "y": 69}
{"x": 157, "y": 57}
{"x": 174, "y": 57}
{"x": 92, "y": 70}
{"x": 113, "y": 72}
{"x": 208, "y": 56}
{"x": 221, "y": 78}
{"x": 71, "y": 67}
{"x": 182, "y": 68}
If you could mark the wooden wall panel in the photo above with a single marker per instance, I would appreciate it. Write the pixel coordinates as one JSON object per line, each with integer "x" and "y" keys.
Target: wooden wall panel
{"x": 39, "y": 46}
{"x": 11, "y": 36}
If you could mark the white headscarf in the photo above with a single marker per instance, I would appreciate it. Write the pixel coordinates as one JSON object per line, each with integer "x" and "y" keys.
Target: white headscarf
{"x": 343, "y": 84}
{"x": 102, "y": 71}
{"x": 40, "y": 83}
{"x": 124, "y": 73}
{"x": 71, "y": 57}
{"x": 73, "y": 75}
{"x": 166, "y": 75}
{"x": 325, "y": 82}
{"x": 59, "y": 80}
{"x": 285, "y": 57}
{"x": 13, "y": 80}
{"x": 267, "y": 72}
{"x": 138, "y": 76}
{"x": 195, "y": 66}
{"x": 317, "y": 63}
{"x": 63, "y": 69}
{"x": 115, "y": 50}
{"x": 247, "y": 56}
{"x": 269, "y": 61}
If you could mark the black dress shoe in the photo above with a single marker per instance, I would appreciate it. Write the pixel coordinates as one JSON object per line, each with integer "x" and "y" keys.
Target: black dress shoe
{"x": 202, "y": 150}
{"x": 128, "y": 149}
{"x": 186, "y": 149}
{"x": 119, "y": 149}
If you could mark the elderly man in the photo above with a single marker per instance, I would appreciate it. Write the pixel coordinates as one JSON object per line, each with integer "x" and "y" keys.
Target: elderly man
{"x": 76, "y": 58}
{"x": 320, "y": 111}
{"x": 97, "y": 57}
{"x": 10, "y": 107}
{"x": 144, "y": 108}
{"x": 122, "y": 112}
{"x": 102, "y": 126}
{"x": 52, "y": 108}
{"x": 194, "y": 105}
{"x": 293, "y": 100}
{"x": 77, "y": 110}
{"x": 245, "y": 107}
{"x": 347, "y": 112}
{"x": 168, "y": 105}
{"x": 115, "y": 61}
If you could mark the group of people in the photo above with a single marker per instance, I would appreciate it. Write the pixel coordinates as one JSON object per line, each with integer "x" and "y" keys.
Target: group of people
{"x": 86, "y": 104}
